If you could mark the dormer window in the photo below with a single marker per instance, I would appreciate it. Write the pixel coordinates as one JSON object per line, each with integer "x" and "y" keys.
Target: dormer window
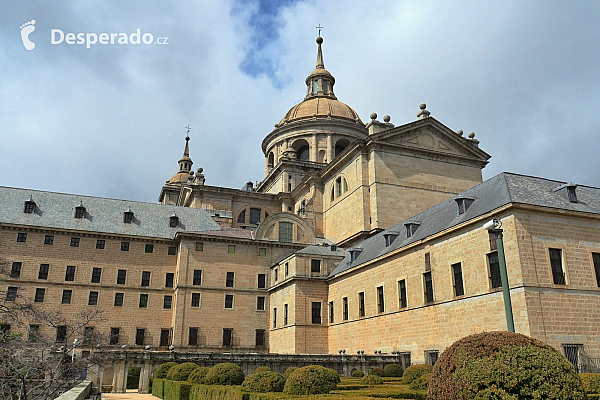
{"x": 411, "y": 228}
{"x": 389, "y": 238}
{"x": 30, "y": 206}
{"x": 80, "y": 211}
{"x": 463, "y": 204}
{"x": 128, "y": 216}
{"x": 354, "y": 253}
{"x": 173, "y": 221}
{"x": 568, "y": 190}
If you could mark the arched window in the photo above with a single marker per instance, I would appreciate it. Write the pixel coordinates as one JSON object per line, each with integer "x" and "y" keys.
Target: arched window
{"x": 271, "y": 160}
{"x": 302, "y": 153}
{"x": 338, "y": 186}
{"x": 340, "y": 145}
{"x": 242, "y": 217}
{"x": 254, "y": 215}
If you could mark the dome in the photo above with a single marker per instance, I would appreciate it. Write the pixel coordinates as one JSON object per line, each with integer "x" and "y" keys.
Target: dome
{"x": 322, "y": 107}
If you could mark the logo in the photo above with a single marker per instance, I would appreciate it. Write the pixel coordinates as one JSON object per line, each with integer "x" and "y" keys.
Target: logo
{"x": 26, "y": 29}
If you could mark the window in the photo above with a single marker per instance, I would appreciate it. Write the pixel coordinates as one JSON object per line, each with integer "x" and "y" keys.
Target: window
{"x": 173, "y": 221}
{"x": 316, "y": 312}
{"x": 197, "y": 278}
{"x": 15, "y": 270}
{"x": 254, "y": 215}
{"x": 128, "y": 217}
{"x": 428, "y": 287}
{"x": 75, "y": 242}
{"x": 558, "y": 276}
{"x": 286, "y": 269}
{"x": 34, "y": 333}
{"x": 354, "y": 253}
{"x": 276, "y": 272}
{"x": 380, "y": 300}
{"x": 66, "y": 296}
{"x": 96, "y": 274}
{"x": 493, "y": 242}
{"x": 49, "y": 240}
{"x": 428, "y": 261}
{"x": 195, "y": 300}
{"x": 172, "y": 250}
{"x": 140, "y": 333}
{"x": 402, "y": 303}
{"x": 260, "y": 337}
{"x": 169, "y": 278}
{"x": 149, "y": 248}
{"x": 93, "y": 299}
{"x": 411, "y": 228}
{"x": 100, "y": 244}
{"x": 119, "y": 299}
{"x": 463, "y": 205}
{"x": 70, "y": 273}
{"x": 494, "y": 264}
{"x": 165, "y": 337}
{"x": 230, "y": 249}
{"x": 114, "y": 336}
{"x": 361, "y": 304}
{"x": 145, "y": 278}
{"x": 143, "y": 300}
{"x": 262, "y": 281}
{"x": 431, "y": 356}
{"x": 458, "y": 280}
{"x": 61, "y": 333}
{"x": 79, "y": 211}
{"x": 388, "y": 238}
{"x": 345, "y": 309}
{"x": 338, "y": 186}
{"x": 199, "y": 246}
{"x": 262, "y": 252}
{"x": 29, "y": 207}
{"x": 88, "y": 335}
{"x": 275, "y": 317}
{"x": 229, "y": 279}
{"x": 124, "y": 246}
{"x": 21, "y": 237}
{"x": 242, "y": 217}
{"x": 11, "y": 293}
{"x": 286, "y": 230}
{"x": 572, "y": 353}
{"x": 331, "y": 312}
{"x": 315, "y": 86}
{"x": 285, "y": 314}
{"x": 228, "y": 301}
{"x": 260, "y": 303}
{"x": 167, "y": 302}
{"x": 193, "y": 336}
{"x": 227, "y": 337}
{"x": 121, "y": 275}
{"x": 43, "y": 272}
{"x": 315, "y": 266}
{"x": 596, "y": 260}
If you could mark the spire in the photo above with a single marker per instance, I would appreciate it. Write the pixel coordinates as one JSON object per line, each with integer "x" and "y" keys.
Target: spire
{"x": 320, "y": 82}
{"x": 320, "y": 63}
{"x": 186, "y": 151}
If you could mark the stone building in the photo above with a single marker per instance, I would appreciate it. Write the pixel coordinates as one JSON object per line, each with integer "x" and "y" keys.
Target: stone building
{"x": 361, "y": 239}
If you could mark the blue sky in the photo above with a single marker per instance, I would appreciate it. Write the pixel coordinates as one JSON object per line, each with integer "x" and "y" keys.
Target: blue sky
{"x": 109, "y": 120}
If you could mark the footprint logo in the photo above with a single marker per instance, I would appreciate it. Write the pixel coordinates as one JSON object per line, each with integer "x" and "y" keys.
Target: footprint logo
{"x": 26, "y": 29}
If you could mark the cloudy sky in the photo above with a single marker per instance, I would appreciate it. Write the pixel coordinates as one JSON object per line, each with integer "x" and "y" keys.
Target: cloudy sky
{"x": 109, "y": 120}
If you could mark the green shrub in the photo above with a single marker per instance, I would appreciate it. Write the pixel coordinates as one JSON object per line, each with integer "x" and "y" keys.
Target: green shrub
{"x": 503, "y": 365}
{"x": 158, "y": 387}
{"x": 591, "y": 383}
{"x": 175, "y": 390}
{"x": 133, "y": 377}
{"x": 371, "y": 380}
{"x": 393, "y": 370}
{"x": 204, "y": 392}
{"x": 415, "y": 371}
{"x": 224, "y": 374}
{"x": 313, "y": 379}
{"x": 150, "y": 384}
{"x": 163, "y": 369}
{"x": 261, "y": 369}
{"x": 181, "y": 372}
{"x": 376, "y": 371}
{"x": 266, "y": 381}
{"x": 197, "y": 376}
{"x": 288, "y": 371}
{"x": 334, "y": 376}
{"x": 421, "y": 383}
{"x": 358, "y": 374}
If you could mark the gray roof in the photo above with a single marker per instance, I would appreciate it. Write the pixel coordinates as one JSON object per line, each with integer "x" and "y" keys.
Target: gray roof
{"x": 315, "y": 250}
{"x": 496, "y": 192}
{"x": 57, "y": 210}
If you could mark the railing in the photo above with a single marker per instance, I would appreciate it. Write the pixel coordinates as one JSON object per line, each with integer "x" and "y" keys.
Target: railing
{"x": 591, "y": 365}
{"x": 79, "y": 392}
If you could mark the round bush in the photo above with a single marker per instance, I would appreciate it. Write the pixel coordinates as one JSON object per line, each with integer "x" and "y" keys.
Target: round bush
{"x": 376, "y": 371}
{"x": 393, "y": 370}
{"x": 265, "y": 381}
{"x": 333, "y": 375}
{"x": 503, "y": 365}
{"x": 421, "y": 383}
{"x": 181, "y": 372}
{"x": 358, "y": 374}
{"x": 371, "y": 380}
{"x": 312, "y": 379}
{"x": 224, "y": 374}
{"x": 163, "y": 369}
{"x": 197, "y": 376}
{"x": 591, "y": 383}
{"x": 261, "y": 369}
{"x": 289, "y": 371}
{"x": 415, "y": 371}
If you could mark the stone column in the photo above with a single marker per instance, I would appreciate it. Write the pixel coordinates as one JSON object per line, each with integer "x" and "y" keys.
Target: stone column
{"x": 329, "y": 148}
{"x": 120, "y": 377}
{"x": 144, "y": 374}
{"x": 314, "y": 151}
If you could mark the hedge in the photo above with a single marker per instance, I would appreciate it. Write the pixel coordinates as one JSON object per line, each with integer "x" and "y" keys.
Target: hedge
{"x": 163, "y": 370}
{"x": 312, "y": 379}
{"x": 415, "y": 371}
{"x": 393, "y": 370}
{"x": 224, "y": 374}
{"x": 215, "y": 392}
{"x": 591, "y": 382}
{"x": 175, "y": 390}
{"x": 158, "y": 385}
{"x": 182, "y": 372}
{"x": 266, "y": 381}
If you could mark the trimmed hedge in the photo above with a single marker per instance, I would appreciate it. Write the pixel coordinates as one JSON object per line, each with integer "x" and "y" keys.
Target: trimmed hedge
{"x": 312, "y": 379}
{"x": 261, "y": 369}
{"x": 371, "y": 380}
{"x": 224, "y": 374}
{"x": 150, "y": 384}
{"x": 393, "y": 370}
{"x": 163, "y": 369}
{"x": 421, "y": 383}
{"x": 358, "y": 374}
{"x": 334, "y": 376}
{"x": 133, "y": 377}
{"x": 591, "y": 382}
{"x": 266, "y": 381}
{"x": 376, "y": 371}
{"x": 503, "y": 365}
{"x": 197, "y": 376}
{"x": 181, "y": 372}
{"x": 415, "y": 371}
{"x": 176, "y": 390}
{"x": 158, "y": 387}
{"x": 289, "y": 371}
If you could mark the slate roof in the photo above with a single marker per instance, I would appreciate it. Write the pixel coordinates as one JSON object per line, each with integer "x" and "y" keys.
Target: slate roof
{"x": 496, "y": 192}
{"x": 57, "y": 210}
{"x": 315, "y": 250}
{"x": 237, "y": 233}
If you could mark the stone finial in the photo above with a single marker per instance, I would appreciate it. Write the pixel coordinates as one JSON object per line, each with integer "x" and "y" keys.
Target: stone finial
{"x": 191, "y": 177}
{"x": 471, "y": 135}
{"x": 373, "y": 116}
{"x": 386, "y": 118}
{"x": 459, "y": 132}
{"x": 423, "y": 113}
{"x": 199, "y": 179}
